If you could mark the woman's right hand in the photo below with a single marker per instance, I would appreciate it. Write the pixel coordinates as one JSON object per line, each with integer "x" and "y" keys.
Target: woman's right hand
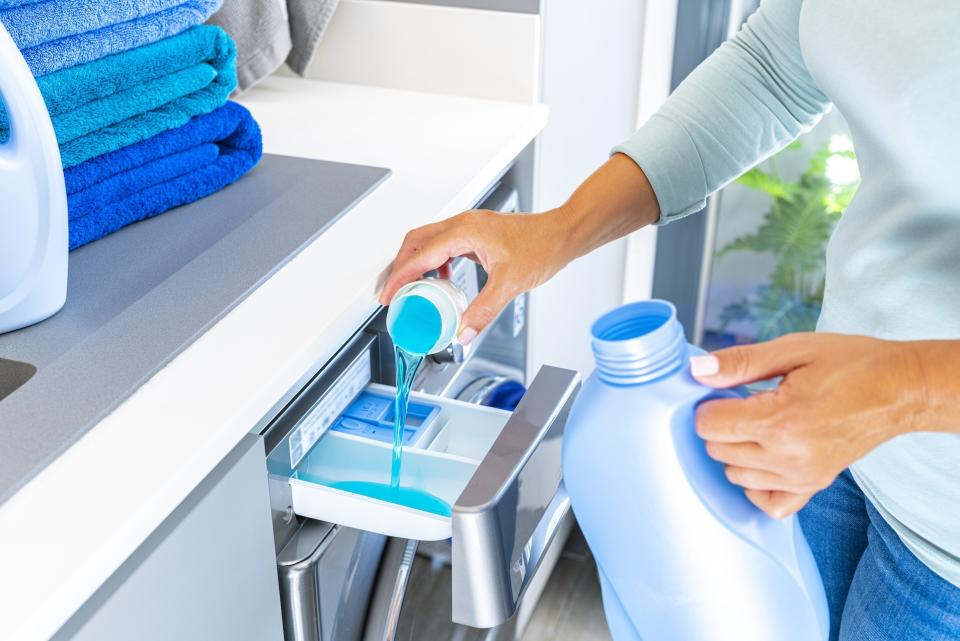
{"x": 521, "y": 251}
{"x": 518, "y": 251}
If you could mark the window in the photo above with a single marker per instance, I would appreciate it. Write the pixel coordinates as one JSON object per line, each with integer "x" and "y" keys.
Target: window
{"x": 767, "y": 271}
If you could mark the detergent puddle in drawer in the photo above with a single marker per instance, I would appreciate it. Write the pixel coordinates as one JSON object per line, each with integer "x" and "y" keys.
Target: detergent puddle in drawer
{"x": 373, "y": 416}
{"x": 345, "y": 477}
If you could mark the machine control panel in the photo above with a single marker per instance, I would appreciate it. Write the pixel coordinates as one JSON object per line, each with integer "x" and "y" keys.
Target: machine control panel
{"x": 322, "y": 415}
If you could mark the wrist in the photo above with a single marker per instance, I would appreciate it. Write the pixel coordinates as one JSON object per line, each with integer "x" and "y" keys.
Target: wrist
{"x": 569, "y": 234}
{"x": 614, "y": 201}
{"x": 932, "y": 384}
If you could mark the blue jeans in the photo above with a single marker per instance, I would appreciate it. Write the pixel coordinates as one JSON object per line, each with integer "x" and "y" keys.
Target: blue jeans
{"x": 877, "y": 589}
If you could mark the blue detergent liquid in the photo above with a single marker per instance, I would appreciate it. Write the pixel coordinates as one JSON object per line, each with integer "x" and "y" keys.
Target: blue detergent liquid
{"x": 416, "y": 326}
{"x": 415, "y": 329}
{"x": 406, "y": 496}
{"x": 407, "y": 366}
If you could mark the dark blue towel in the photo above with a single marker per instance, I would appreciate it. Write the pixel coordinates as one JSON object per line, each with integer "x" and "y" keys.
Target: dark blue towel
{"x": 170, "y": 169}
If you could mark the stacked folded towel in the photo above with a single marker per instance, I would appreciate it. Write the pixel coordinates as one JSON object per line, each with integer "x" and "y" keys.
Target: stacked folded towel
{"x": 56, "y": 34}
{"x": 168, "y": 170}
{"x": 122, "y": 99}
{"x": 137, "y": 91}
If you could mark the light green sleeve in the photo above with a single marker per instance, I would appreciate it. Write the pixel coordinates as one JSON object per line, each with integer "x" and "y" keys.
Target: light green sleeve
{"x": 750, "y": 98}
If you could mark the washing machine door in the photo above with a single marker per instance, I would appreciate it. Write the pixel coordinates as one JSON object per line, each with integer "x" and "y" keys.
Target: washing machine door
{"x": 499, "y": 391}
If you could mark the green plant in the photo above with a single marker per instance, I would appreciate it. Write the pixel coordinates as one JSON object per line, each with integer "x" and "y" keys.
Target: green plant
{"x": 795, "y": 230}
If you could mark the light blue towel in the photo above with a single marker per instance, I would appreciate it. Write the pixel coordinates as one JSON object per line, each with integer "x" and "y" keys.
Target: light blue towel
{"x": 57, "y": 34}
{"x": 117, "y": 101}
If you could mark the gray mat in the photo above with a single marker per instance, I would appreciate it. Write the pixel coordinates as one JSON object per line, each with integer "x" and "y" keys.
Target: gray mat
{"x": 139, "y": 297}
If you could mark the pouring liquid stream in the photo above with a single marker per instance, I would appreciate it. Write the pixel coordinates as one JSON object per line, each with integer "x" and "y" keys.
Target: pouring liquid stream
{"x": 407, "y": 366}
{"x": 414, "y": 332}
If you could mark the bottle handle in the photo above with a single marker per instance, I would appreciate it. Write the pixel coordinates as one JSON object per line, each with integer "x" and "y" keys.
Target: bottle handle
{"x": 33, "y": 218}
{"x": 728, "y": 502}
{"x": 780, "y": 540}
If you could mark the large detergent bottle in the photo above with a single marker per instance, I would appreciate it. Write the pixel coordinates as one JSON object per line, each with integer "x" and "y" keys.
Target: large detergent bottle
{"x": 682, "y": 554}
{"x": 33, "y": 200}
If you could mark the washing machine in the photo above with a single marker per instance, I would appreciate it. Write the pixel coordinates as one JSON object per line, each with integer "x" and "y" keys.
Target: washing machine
{"x": 343, "y": 583}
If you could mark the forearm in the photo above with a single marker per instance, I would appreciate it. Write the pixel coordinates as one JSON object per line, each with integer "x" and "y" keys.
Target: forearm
{"x": 615, "y": 200}
{"x": 933, "y": 381}
{"x": 747, "y": 100}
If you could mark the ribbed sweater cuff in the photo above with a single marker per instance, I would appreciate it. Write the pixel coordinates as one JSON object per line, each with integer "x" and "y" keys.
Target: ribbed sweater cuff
{"x": 672, "y": 164}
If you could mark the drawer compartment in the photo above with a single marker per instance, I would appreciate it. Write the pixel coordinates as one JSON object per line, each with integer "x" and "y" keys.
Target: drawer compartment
{"x": 346, "y": 480}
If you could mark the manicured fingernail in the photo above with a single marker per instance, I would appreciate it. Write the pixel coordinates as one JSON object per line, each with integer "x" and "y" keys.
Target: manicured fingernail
{"x": 707, "y": 365}
{"x": 467, "y": 334}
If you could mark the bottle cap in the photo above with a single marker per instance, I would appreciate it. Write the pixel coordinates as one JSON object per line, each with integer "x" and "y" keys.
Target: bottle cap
{"x": 425, "y": 315}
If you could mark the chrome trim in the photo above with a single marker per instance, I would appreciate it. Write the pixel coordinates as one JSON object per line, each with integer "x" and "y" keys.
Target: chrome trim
{"x": 391, "y": 587}
{"x": 711, "y": 222}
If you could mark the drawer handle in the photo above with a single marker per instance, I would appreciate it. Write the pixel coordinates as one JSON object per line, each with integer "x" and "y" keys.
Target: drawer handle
{"x": 507, "y": 515}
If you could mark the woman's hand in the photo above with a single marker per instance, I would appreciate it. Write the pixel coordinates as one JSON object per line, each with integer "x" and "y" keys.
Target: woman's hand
{"x": 518, "y": 252}
{"x": 841, "y": 396}
{"x": 521, "y": 251}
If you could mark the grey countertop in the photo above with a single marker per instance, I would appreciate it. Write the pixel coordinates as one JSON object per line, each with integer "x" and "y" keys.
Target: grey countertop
{"x": 139, "y": 297}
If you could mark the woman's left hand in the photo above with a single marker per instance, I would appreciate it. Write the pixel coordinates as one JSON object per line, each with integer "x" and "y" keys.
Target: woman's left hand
{"x": 840, "y": 397}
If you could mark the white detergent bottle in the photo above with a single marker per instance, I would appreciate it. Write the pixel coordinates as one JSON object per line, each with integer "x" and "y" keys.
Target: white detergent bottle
{"x": 682, "y": 554}
{"x": 33, "y": 201}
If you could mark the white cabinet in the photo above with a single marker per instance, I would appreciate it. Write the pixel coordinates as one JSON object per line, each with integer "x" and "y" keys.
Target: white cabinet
{"x": 207, "y": 573}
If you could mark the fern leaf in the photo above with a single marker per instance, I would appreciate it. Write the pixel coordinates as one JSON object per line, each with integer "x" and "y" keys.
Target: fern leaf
{"x": 760, "y": 180}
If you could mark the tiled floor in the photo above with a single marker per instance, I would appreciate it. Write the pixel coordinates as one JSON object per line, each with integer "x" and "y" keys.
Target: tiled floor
{"x": 570, "y": 608}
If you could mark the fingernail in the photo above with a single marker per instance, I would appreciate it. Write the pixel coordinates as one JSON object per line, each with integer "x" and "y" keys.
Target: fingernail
{"x": 467, "y": 334}
{"x": 707, "y": 365}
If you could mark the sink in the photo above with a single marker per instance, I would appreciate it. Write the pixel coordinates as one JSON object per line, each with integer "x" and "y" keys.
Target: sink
{"x": 13, "y": 374}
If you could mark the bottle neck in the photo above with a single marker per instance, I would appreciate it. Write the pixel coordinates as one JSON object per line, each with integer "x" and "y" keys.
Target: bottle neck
{"x": 638, "y": 343}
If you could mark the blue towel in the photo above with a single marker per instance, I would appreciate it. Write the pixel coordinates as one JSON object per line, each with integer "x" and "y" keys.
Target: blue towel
{"x": 171, "y": 169}
{"x": 116, "y": 101}
{"x": 56, "y": 34}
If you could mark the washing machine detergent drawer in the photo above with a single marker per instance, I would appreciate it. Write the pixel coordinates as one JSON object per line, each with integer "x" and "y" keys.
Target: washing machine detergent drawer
{"x": 486, "y": 479}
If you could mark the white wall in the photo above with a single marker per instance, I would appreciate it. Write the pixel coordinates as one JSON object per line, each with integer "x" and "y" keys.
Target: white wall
{"x": 656, "y": 69}
{"x": 433, "y": 49}
{"x": 593, "y": 61}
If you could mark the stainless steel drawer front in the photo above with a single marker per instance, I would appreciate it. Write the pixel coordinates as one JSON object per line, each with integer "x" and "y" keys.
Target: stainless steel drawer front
{"x": 297, "y": 569}
{"x": 508, "y": 513}
{"x": 326, "y": 577}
